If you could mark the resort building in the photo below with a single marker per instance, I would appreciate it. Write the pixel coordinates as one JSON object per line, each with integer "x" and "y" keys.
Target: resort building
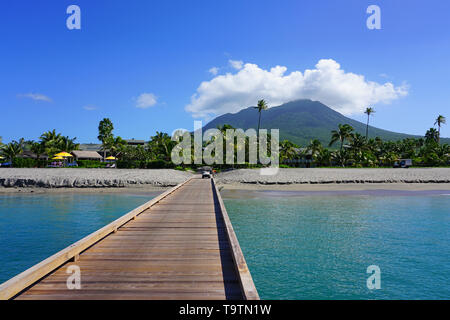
{"x": 90, "y": 147}
{"x": 31, "y": 155}
{"x": 133, "y": 142}
{"x": 98, "y": 147}
{"x": 86, "y": 155}
{"x": 302, "y": 159}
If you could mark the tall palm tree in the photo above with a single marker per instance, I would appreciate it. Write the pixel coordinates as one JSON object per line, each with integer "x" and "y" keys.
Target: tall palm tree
{"x": 439, "y": 121}
{"x": 343, "y": 133}
{"x": 262, "y": 105}
{"x": 368, "y": 111}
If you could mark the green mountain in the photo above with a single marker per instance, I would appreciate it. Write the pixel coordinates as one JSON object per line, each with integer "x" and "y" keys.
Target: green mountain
{"x": 301, "y": 121}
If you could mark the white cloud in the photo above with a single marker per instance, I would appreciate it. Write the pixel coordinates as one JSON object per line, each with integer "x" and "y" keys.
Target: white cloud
{"x": 345, "y": 92}
{"x": 237, "y": 64}
{"x": 35, "y": 96}
{"x": 90, "y": 107}
{"x": 146, "y": 100}
{"x": 214, "y": 71}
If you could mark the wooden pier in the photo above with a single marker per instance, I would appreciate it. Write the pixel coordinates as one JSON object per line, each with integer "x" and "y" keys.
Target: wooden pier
{"x": 180, "y": 245}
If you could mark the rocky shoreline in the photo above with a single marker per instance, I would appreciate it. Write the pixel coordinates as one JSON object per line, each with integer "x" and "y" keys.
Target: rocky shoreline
{"x": 123, "y": 178}
{"x": 337, "y": 176}
{"x": 89, "y": 178}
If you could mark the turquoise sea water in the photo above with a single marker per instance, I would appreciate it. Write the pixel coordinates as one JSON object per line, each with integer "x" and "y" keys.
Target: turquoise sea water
{"x": 318, "y": 246}
{"x": 33, "y": 227}
{"x": 297, "y": 245}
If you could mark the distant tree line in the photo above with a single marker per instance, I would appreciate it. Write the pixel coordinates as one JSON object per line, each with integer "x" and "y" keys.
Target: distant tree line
{"x": 355, "y": 150}
{"x": 345, "y": 149}
{"x": 49, "y": 144}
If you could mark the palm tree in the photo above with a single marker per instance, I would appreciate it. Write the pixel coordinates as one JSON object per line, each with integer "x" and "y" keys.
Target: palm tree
{"x": 343, "y": 133}
{"x": 439, "y": 121}
{"x": 358, "y": 146}
{"x": 368, "y": 111}
{"x": 323, "y": 157}
{"x": 340, "y": 156}
{"x": 50, "y": 137}
{"x": 315, "y": 146}
{"x": 68, "y": 145}
{"x": 37, "y": 148}
{"x": 11, "y": 150}
{"x": 51, "y": 141}
{"x": 162, "y": 142}
{"x": 432, "y": 135}
{"x": 230, "y": 142}
{"x": 287, "y": 150}
{"x": 115, "y": 145}
{"x": 262, "y": 105}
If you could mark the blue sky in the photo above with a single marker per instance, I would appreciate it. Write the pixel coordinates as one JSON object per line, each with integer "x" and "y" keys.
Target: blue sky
{"x": 161, "y": 51}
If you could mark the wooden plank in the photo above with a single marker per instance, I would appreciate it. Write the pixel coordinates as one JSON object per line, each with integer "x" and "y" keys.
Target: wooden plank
{"x": 33, "y": 274}
{"x": 248, "y": 287}
{"x": 167, "y": 253}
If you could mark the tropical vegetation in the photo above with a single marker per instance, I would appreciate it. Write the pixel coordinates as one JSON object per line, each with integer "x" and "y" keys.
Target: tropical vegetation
{"x": 346, "y": 148}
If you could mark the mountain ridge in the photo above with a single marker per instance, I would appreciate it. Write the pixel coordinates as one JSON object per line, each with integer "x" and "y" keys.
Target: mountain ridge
{"x": 301, "y": 121}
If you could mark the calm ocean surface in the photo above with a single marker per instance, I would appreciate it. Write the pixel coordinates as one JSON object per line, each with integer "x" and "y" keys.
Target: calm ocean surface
{"x": 297, "y": 245}
{"x": 33, "y": 227}
{"x": 319, "y": 246}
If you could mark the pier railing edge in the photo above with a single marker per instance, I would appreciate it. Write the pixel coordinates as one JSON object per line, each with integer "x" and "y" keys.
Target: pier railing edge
{"x": 30, "y": 276}
{"x": 245, "y": 278}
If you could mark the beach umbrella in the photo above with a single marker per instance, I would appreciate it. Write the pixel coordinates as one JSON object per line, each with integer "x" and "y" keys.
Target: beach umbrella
{"x": 63, "y": 154}
{"x": 57, "y": 158}
{"x": 110, "y": 158}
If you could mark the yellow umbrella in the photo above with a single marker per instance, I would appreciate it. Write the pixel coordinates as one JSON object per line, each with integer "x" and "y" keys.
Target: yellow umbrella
{"x": 63, "y": 154}
{"x": 110, "y": 158}
{"x": 57, "y": 158}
